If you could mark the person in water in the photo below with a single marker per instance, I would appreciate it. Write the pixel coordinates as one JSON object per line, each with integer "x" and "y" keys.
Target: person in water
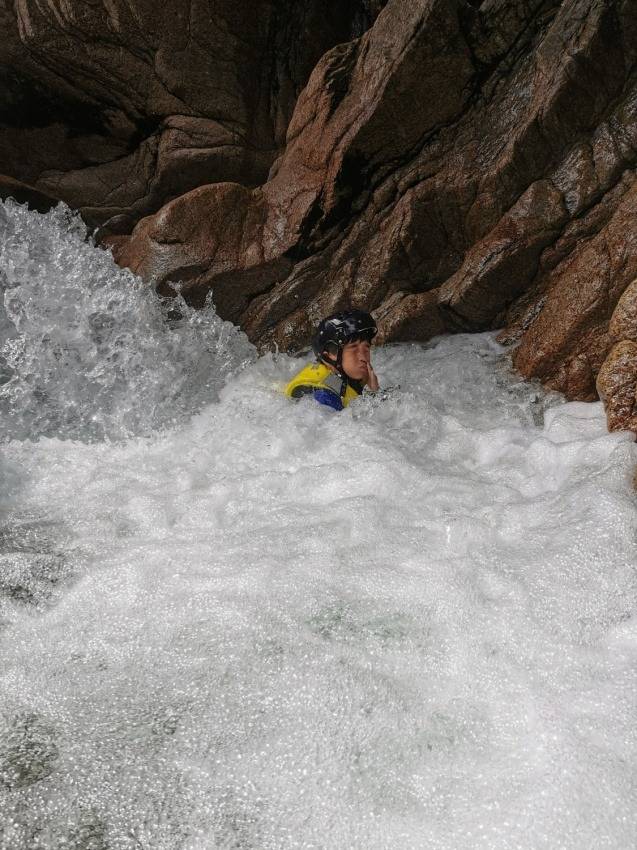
{"x": 342, "y": 345}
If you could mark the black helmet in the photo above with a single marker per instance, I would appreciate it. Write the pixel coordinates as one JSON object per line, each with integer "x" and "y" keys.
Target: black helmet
{"x": 336, "y": 331}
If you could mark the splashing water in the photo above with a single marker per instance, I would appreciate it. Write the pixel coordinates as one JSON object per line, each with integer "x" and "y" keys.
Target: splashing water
{"x": 86, "y": 350}
{"x": 409, "y": 625}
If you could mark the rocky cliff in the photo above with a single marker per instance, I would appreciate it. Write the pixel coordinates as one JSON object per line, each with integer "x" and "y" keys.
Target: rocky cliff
{"x": 456, "y": 166}
{"x": 116, "y": 106}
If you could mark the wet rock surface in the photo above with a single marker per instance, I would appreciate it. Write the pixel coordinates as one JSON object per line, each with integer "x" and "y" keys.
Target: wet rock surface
{"x": 617, "y": 378}
{"x": 568, "y": 341}
{"x": 455, "y": 168}
{"x": 116, "y": 107}
{"x": 25, "y": 194}
{"x": 617, "y": 386}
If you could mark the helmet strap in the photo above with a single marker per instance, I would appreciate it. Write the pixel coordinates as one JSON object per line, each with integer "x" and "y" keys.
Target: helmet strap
{"x": 339, "y": 369}
{"x": 346, "y": 381}
{"x": 339, "y": 361}
{"x": 337, "y": 365}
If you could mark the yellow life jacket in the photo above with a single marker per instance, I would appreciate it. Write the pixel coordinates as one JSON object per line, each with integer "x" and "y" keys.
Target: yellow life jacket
{"x": 317, "y": 376}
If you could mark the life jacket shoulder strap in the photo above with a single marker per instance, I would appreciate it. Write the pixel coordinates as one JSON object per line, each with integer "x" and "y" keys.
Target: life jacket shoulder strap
{"x": 335, "y": 383}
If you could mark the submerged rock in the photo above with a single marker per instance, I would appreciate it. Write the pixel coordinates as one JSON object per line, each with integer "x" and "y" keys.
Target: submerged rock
{"x": 28, "y": 751}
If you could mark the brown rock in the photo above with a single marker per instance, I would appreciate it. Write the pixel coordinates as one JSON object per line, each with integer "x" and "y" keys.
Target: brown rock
{"x": 344, "y": 128}
{"x": 408, "y": 317}
{"x": 617, "y": 379}
{"x": 571, "y": 328}
{"x": 617, "y": 386}
{"x": 25, "y": 194}
{"x": 623, "y": 323}
{"x": 458, "y": 166}
{"x": 448, "y": 170}
{"x": 503, "y": 263}
{"x": 106, "y": 104}
{"x": 210, "y": 238}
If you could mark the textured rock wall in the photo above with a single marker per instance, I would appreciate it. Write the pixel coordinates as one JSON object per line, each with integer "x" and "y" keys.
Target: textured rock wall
{"x": 116, "y": 106}
{"x": 459, "y": 166}
{"x": 617, "y": 378}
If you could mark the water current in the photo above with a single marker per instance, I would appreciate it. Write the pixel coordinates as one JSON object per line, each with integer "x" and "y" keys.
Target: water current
{"x": 231, "y": 621}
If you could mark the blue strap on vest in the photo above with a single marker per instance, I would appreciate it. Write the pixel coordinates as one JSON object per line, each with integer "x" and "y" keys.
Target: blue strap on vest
{"x": 329, "y": 399}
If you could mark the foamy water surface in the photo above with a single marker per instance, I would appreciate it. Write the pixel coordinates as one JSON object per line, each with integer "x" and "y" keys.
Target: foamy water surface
{"x": 247, "y": 623}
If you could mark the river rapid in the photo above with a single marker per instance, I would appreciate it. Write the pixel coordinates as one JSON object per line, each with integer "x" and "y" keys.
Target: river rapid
{"x": 231, "y": 621}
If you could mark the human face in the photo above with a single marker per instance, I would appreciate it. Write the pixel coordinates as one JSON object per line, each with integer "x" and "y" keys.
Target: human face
{"x": 357, "y": 359}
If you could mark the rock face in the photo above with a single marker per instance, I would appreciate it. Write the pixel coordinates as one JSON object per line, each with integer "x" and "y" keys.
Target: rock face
{"x": 116, "y": 106}
{"x": 24, "y": 194}
{"x": 461, "y": 166}
{"x": 617, "y": 379}
{"x": 617, "y": 386}
{"x": 458, "y": 166}
{"x": 567, "y": 342}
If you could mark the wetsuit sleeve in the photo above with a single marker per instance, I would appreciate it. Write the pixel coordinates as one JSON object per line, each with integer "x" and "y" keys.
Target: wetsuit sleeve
{"x": 328, "y": 398}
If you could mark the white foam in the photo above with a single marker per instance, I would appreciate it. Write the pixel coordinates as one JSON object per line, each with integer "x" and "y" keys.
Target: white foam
{"x": 86, "y": 351}
{"x": 408, "y": 625}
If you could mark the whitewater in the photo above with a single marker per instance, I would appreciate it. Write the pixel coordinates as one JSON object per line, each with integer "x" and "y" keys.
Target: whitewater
{"x": 232, "y": 621}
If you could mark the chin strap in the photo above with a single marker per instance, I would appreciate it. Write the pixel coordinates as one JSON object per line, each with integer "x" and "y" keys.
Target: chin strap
{"x": 339, "y": 363}
{"x": 345, "y": 380}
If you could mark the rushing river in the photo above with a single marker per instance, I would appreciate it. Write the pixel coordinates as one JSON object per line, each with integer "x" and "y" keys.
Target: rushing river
{"x": 231, "y": 621}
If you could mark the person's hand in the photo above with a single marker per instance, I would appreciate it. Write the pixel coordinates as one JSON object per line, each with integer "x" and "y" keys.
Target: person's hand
{"x": 372, "y": 380}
